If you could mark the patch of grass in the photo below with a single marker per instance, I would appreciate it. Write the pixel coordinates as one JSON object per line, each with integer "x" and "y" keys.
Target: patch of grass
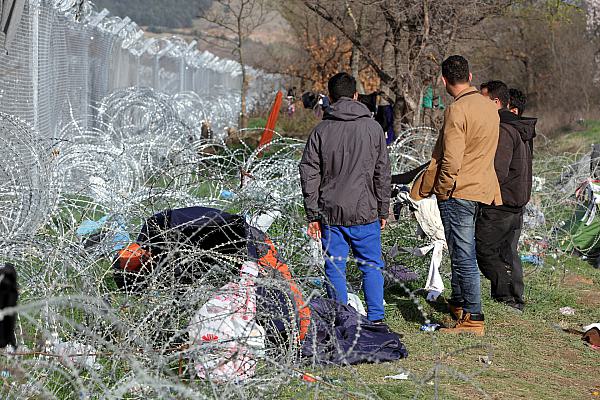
{"x": 530, "y": 357}
{"x": 576, "y": 140}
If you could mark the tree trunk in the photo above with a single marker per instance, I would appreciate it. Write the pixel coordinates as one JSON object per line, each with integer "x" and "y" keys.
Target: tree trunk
{"x": 243, "y": 123}
{"x": 418, "y": 119}
{"x": 355, "y": 66}
{"x": 399, "y": 110}
{"x": 243, "y": 99}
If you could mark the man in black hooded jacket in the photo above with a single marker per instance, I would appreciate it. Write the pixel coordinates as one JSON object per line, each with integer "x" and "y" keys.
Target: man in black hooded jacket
{"x": 499, "y": 227}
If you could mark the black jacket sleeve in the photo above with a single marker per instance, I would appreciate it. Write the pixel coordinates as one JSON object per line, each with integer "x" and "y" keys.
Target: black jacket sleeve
{"x": 310, "y": 176}
{"x": 382, "y": 178}
{"x": 504, "y": 154}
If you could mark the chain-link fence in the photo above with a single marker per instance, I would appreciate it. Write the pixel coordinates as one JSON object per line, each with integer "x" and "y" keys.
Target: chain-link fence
{"x": 66, "y": 57}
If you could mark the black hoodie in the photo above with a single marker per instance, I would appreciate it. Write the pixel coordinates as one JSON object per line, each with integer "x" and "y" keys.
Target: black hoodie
{"x": 345, "y": 168}
{"x": 513, "y": 160}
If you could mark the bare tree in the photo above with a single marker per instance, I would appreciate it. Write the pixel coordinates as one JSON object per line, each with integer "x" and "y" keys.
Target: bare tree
{"x": 231, "y": 24}
{"x": 317, "y": 51}
{"x": 593, "y": 27}
{"x": 544, "y": 49}
{"x": 415, "y": 35}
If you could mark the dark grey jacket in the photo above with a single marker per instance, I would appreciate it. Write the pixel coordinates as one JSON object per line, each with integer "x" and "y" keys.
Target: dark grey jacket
{"x": 345, "y": 168}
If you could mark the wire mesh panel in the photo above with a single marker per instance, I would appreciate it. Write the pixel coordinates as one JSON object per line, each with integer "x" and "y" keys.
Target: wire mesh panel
{"x": 17, "y": 73}
{"x": 67, "y": 57}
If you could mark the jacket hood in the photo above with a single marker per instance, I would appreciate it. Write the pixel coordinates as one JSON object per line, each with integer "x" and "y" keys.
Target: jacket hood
{"x": 346, "y": 109}
{"x": 524, "y": 125}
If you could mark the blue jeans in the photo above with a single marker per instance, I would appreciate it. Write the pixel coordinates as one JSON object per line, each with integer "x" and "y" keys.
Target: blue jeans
{"x": 365, "y": 241}
{"x": 458, "y": 217}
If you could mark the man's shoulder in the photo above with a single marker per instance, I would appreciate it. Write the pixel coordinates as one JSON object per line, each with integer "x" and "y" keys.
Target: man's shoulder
{"x": 320, "y": 127}
{"x": 508, "y": 129}
{"x": 373, "y": 125}
{"x": 480, "y": 107}
{"x": 332, "y": 124}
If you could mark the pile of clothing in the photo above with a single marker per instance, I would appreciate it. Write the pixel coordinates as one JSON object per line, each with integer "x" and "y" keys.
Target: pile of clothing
{"x": 233, "y": 328}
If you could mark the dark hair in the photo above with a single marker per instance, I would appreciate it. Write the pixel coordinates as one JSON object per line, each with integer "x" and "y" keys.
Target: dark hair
{"x": 341, "y": 85}
{"x": 455, "y": 69}
{"x": 517, "y": 100}
{"x": 484, "y": 85}
{"x": 498, "y": 90}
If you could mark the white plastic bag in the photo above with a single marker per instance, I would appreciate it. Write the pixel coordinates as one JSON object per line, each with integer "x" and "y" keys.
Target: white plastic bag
{"x": 225, "y": 340}
{"x": 355, "y": 302}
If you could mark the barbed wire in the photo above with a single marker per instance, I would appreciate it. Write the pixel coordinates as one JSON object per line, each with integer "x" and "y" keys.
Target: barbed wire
{"x": 70, "y": 203}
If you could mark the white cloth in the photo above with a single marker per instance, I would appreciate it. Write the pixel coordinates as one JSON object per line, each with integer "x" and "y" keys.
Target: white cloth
{"x": 428, "y": 216}
{"x": 354, "y": 302}
{"x": 264, "y": 221}
{"x": 435, "y": 284}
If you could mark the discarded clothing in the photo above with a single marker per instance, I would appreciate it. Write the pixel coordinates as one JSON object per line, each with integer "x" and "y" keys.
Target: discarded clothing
{"x": 355, "y": 302}
{"x": 407, "y": 177}
{"x": 401, "y": 273}
{"x": 428, "y": 216}
{"x": 225, "y": 340}
{"x": 339, "y": 335}
{"x": 532, "y": 259}
{"x": 168, "y": 234}
{"x": 435, "y": 284}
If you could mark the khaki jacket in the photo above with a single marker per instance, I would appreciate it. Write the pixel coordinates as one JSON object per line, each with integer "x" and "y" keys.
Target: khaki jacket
{"x": 462, "y": 163}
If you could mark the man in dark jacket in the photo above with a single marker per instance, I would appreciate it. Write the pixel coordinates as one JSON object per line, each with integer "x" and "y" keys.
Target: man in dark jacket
{"x": 499, "y": 227}
{"x": 345, "y": 176}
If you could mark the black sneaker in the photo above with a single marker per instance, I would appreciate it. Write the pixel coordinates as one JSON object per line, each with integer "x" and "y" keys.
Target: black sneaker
{"x": 515, "y": 307}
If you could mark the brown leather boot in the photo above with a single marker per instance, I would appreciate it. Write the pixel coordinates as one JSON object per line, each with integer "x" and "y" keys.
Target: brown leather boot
{"x": 456, "y": 311}
{"x": 470, "y": 323}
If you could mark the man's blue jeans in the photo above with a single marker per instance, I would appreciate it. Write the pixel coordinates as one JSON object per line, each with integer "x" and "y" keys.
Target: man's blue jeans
{"x": 365, "y": 241}
{"x": 458, "y": 217}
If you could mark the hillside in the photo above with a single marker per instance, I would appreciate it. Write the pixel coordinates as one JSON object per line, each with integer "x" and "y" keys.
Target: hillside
{"x": 156, "y": 13}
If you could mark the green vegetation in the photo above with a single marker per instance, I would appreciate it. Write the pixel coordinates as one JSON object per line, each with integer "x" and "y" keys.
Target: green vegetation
{"x": 577, "y": 139}
{"x": 530, "y": 356}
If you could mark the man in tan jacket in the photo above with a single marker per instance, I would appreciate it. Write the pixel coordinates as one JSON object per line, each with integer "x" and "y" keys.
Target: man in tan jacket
{"x": 461, "y": 175}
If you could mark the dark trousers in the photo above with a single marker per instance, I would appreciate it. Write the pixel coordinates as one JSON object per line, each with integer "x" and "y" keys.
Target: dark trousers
{"x": 497, "y": 236}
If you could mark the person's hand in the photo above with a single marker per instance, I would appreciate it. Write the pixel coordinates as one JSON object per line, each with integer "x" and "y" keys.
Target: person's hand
{"x": 314, "y": 230}
{"x": 383, "y": 223}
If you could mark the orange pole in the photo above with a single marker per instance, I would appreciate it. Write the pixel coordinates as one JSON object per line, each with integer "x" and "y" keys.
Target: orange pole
{"x": 267, "y": 135}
